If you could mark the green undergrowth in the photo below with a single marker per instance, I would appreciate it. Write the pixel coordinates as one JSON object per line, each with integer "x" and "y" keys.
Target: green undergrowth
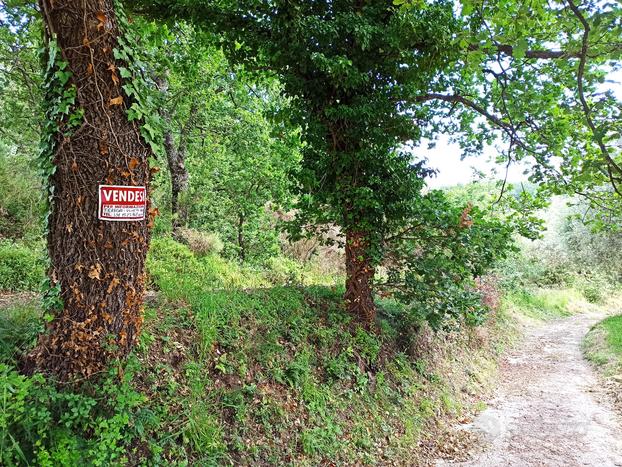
{"x": 603, "y": 345}
{"x": 232, "y": 369}
{"x": 21, "y": 266}
{"x": 170, "y": 261}
{"x": 544, "y": 303}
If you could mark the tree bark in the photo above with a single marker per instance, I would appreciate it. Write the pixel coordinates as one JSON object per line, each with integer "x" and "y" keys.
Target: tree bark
{"x": 179, "y": 175}
{"x": 359, "y": 276}
{"x": 98, "y": 264}
{"x": 176, "y": 154}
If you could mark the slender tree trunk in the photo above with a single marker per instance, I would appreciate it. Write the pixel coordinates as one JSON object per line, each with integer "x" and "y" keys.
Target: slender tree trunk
{"x": 98, "y": 264}
{"x": 176, "y": 154}
{"x": 359, "y": 276}
{"x": 179, "y": 175}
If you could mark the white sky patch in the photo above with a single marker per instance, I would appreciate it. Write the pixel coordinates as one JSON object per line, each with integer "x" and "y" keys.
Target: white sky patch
{"x": 446, "y": 157}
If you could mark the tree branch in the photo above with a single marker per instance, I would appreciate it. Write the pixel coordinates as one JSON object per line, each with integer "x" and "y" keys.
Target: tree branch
{"x": 587, "y": 111}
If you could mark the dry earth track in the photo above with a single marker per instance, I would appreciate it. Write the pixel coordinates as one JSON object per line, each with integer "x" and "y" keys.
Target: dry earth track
{"x": 549, "y": 409}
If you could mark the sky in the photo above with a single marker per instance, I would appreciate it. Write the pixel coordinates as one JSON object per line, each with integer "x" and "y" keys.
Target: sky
{"x": 452, "y": 170}
{"x": 446, "y": 157}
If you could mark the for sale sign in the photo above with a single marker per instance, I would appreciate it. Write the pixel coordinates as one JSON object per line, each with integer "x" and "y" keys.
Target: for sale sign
{"x": 122, "y": 203}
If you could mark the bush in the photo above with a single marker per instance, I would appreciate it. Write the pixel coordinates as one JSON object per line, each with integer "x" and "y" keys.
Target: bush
{"x": 21, "y": 267}
{"x": 281, "y": 270}
{"x": 528, "y": 269}
{"x": 20, "y": 197}
{"x": 201, "y": 243}
{"x": 174, "y": 269}
{"x": 594, "y": 288}
{"x": 42, "y": 425}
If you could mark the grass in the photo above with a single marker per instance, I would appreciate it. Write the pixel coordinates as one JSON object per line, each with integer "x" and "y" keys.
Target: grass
{"x": 543, "y": 303}
{"x": 20, "y": 323}
{"x": 613, "y": 325}
{"x": 603, "y": 345}
{"x": 243, "y": 366}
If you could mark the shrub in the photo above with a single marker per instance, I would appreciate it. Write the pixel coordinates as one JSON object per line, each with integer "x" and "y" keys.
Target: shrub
{"x": 43, "y": 425}
{"x": 594, "y": 288}
{"x": 169, "y": 260}
{"x": 201, "y": 243}
{"x": 174, "y": 269}
{"x": 488, "y": 288}
{"x": 592, "y": 293}
{"x": 282, "y": 270}
{"x": 21, "y": 267}
{"x": 20, "y": 199}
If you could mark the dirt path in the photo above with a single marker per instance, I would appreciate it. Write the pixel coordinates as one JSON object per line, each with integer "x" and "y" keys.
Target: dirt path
{"x": 549, "y": 410}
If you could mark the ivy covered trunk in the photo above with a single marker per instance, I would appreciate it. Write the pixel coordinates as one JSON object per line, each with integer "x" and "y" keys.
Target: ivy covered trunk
{"x": 359, "y": 276}
{"x": 97, "y": 266}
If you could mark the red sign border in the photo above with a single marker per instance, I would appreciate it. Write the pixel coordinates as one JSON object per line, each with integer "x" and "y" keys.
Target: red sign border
{"x": 100, "y": 204}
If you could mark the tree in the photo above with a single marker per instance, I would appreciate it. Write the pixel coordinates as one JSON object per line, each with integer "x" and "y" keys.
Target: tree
{"x": 536, "y": 73}
{"x": 21, "y": 120}
{"x": 351, "y": 68}
{"x": 91, "y": 137}
{"x": 243, "y": 172}
{"x": 229, "y": 160}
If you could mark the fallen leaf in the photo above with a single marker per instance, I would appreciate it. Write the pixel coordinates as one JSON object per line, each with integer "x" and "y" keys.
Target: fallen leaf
{"x": 113, "y": 70}
{"x": 116, "y": 100}
{"x": 95, "y": 272}
{"x": 113, "y": 283}
{"x": 133, "y": 163}
{"x": 102, "y": 20}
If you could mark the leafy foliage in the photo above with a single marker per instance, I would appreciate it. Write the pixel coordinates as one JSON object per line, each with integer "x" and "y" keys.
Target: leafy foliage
{"x": 353, "y": 73}
{"x": 21, "y": 266}
{"x": 43, "y": 425}
{"x": 433, "y": 262}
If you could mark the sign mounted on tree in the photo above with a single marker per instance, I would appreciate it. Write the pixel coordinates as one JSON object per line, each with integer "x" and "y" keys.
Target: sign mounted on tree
{"x": 122, "y": 203}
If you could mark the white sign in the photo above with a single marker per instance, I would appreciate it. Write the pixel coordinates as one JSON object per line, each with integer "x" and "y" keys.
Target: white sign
{"x": 122, "y": 203}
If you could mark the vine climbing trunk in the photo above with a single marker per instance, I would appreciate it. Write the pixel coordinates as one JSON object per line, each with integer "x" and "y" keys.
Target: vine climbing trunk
{"x": 97, "y": 266}
{"x": 359, "y": 276}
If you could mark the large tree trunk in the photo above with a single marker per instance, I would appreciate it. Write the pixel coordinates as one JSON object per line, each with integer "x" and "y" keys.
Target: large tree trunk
{"x": 98, "y": 264}
{"x": 359, "y": 276}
